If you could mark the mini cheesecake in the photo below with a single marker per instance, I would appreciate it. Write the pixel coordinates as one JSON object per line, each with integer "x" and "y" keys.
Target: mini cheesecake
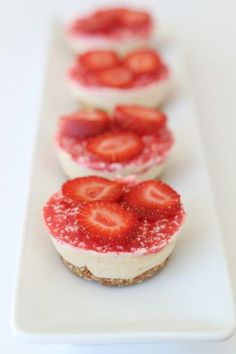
{"x": 119, "y": 29}
{"x": 134, "y": 140}
{"x": 103, "y": 79}
{"x": 118, "y": 232}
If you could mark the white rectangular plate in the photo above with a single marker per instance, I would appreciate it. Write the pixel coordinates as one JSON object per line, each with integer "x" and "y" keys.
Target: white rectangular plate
{"x": 189, "y": 299}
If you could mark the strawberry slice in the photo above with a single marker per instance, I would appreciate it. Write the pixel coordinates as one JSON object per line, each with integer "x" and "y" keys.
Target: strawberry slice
{"x": 113, "y": 15}
{"x": 86, "y": 189}
{"x": 83, "y": 124}
{"x": 118, "y": 77}
{"x": 144, "y": 61}
{"x": 106, "y": 221}
{"x": 115, "y": 146}
{"x": 153, "y": 199}
{"x": 134, "y": 19}
{"x": 98, "y": 60}
{"x": 108, "y": 20}
{"x": 92, "y": 25}
{"x": 124, "y": 17}
{"x": 139, "y": 119}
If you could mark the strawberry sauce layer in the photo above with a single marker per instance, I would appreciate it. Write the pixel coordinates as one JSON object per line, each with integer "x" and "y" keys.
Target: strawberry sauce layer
{"x": 116, "y": 24}
{"x": 61, "y": 217}
{"x": 155, "y": 151}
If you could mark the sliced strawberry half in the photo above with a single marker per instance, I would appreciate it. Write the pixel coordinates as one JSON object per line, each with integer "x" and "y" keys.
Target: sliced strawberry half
{"x": 115, "y": 146}
{"x": 118, "y": 77}
{"x": 107, "y": 20}
{"x": 144, "y": 61}
{"x": 124, "y": 17}
{"x": 153, "y": 199}
{"x": 139, "y": 119}
{"x": 92, "y": 25}
{"x": 107, "y": 221}
{"x": 111, "y": 14}
{"x": 86, "y": 189}
{"x": 98, "y": 60}
{"x": 83, "y": 124}
{"x": 134, "y": 19}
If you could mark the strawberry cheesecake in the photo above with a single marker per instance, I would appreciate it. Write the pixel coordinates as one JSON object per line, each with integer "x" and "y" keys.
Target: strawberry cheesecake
{"x": 119, "y": 29}
{"x": 117, "y": 232}
{"x": 133, "y": 140}
{"x": 103, "y": 79}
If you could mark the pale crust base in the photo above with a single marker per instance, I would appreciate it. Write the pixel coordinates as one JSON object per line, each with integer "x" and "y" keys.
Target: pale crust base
{"x": 83, "y": 272}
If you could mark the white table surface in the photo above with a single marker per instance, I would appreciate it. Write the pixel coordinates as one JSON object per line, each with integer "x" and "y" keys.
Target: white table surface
{"x": 207, "y": 33}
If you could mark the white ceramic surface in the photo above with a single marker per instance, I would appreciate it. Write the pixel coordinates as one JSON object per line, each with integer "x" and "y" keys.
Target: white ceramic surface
{"x": 191, "y": 297}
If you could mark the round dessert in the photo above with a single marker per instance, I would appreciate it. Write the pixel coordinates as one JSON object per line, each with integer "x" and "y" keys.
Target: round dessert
{"x": 119, "y": 29}
{"x": 134, "y": 140}
{"x": 117, "y": 232}
{"x": 102, "y": 79}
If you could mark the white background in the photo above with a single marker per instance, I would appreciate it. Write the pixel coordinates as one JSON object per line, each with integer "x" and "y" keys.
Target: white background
{"x": 207, "y": 34}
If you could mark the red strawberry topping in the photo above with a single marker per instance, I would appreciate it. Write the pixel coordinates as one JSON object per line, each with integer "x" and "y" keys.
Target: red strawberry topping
{"x": 86, "y": 189}
{"x": 114, "y": 13}
{"x": 117, "y": 77}
{"x": 98, "y": 60}
{"x": 106, "y": 221}
{"x": 139, "y": 119}
{"x": 123, "y": 17}
{"x": 92, "y": 25}
{"x": 135, "y": 136}
{"x": 134, "y": 19}
{"x": 111, "y": 22}
{"x": 153, "y": 199}
{"x": 105, "y": 69}
{"x": 83, "y": 124}
{"x": 105, "y": 226}
{"x": 115, "y": 146}
{"x": 144, "y": 61}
